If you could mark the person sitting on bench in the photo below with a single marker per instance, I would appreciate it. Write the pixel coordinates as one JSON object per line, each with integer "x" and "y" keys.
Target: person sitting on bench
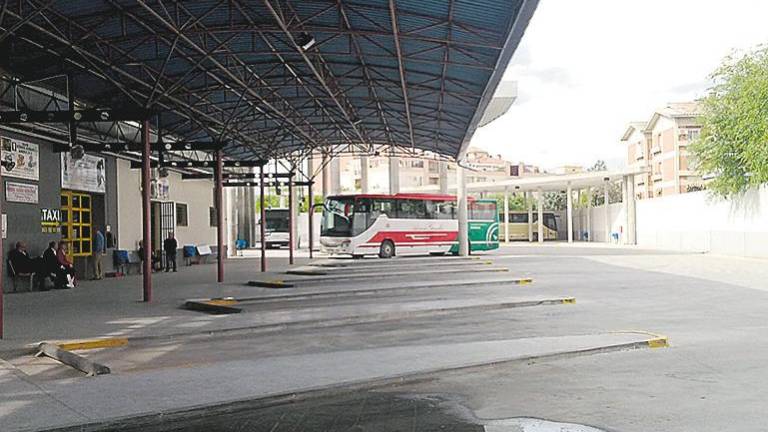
{"x": 50, "y": 268}
{"x": 66, "y": 267}
{"x": 155, "y": 259}
{"x": 20, "y": 260}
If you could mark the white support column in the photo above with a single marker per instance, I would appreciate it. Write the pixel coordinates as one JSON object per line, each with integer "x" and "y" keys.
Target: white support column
{"x": 540, "y": 211}
{"x": 394, "y": 175}
{"x": 529, "y": 202}
{"x": 607, "y": 212}
{"x": 310, "y": 174}
{"x": 335, "y": 173}
{"x": 295, "y": 210}
{"x": 631, "y": 211}
{"x": 569, "y": 211}
{"x": 506, "y": 215}
{"x": 443, "y": 182}
{"x": 326, "y": 179}
{"x": 364, "y": 174}
{"x": 589, "y": 214}
{"x": 624, "y": 206}
{"x": 461, "y": 197}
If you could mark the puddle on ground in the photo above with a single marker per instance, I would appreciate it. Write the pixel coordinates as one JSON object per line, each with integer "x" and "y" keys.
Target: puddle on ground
{"x": 523, "y": 424}
{"x": 366, "y": 411}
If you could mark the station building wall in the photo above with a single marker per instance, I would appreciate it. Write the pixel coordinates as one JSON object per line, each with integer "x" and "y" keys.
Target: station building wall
{"x": 196, "y": 194}
{"x": 24, "y": 219}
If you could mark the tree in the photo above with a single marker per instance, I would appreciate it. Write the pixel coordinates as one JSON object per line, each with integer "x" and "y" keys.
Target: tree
{"x": 733, "y": 144}
{"x": 599, "y": 165}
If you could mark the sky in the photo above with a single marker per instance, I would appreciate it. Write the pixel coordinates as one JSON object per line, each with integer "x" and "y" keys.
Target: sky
{"x": 587, "y": 68}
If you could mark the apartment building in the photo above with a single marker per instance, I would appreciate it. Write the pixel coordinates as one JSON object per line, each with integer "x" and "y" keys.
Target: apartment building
{"x": 660, "y": 147}
{"x": 424, "y": 173}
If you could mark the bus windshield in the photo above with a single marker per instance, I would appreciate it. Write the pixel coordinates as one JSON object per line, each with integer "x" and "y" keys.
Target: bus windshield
{"x": 277, "y": 220}
{"x": 337, "y": 217}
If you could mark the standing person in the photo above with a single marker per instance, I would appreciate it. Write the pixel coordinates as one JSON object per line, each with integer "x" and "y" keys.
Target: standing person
{"x": 99, "y": 249}
{"x": 169, "y": 246}
{"x": 67, "y": 269}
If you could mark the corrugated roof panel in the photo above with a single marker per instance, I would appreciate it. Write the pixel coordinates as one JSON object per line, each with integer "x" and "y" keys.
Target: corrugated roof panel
{"x": 225, "y": 53}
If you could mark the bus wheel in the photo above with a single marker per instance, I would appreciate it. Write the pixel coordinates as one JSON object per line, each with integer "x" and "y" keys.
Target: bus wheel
{"x": 387, "y": 249}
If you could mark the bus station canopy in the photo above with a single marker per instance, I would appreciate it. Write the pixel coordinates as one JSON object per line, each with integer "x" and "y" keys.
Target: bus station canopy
{"x": 272, "y": 78}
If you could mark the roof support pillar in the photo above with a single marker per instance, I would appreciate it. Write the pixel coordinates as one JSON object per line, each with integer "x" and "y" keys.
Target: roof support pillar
{"x": 219, "y": 217}
{"x": 364, "y": 174}
{"x": 394, "y": 175}
{"x": 148, "y": 247}
{"x": 506, "y": 215}
{"x": 335, "y": 165}
{"x": 310, "y": 204}
{"x": 607, "y": 211}
{"x": 443, "y": 180}
{"x": 569, "y": 211}
{"x": 540, "y": 211}
{"x": 589, "y": 214}
{"x": 461, "y": 197}
{"x": 529, "y": 202}
{"x": 291, "y": 219}
{"x": 631, "y": 210}
{"x": 262, "y": 221}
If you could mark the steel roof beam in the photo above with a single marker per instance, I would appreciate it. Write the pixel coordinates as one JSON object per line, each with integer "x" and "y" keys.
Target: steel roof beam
{"x": 401, "y": 68}
{"x": 318, "y": 76}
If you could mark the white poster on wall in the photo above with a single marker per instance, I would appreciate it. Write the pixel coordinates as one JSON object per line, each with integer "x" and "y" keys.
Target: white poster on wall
{"x": 86, "y": 174}
{"x": 22, "y": 159}
{"x": 21, "y": 192}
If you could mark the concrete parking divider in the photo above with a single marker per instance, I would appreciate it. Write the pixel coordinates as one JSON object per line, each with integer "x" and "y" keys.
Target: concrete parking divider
{"x": 216, "y": 306}
{"x": 270, "y": 284}
{"x": 379, "y": 275}
{"x": 71, "y": 359}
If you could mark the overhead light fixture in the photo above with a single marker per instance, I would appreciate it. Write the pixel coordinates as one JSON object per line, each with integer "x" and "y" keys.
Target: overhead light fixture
{"x": 305, "y": 41}
{"x": 168, "y": 146}
{"x": 77, "y": 152}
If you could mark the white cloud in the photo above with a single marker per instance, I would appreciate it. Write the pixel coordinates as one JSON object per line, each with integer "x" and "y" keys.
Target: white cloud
{"x": 586, "y": 68}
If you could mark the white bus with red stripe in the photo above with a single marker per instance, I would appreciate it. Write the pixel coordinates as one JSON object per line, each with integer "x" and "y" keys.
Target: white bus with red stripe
{"x": 403, "y": 224}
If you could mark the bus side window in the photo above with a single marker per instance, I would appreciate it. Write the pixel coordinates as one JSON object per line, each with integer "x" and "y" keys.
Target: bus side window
{"x": 432, "y": 209}
{"x": 411, "y": 209}
{"x": 382, "y": 206}
{"x": 518, "y": 218}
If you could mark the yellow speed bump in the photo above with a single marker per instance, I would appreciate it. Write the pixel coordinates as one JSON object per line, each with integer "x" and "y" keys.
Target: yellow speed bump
{"x": 569, "y": 300}
{"x": 88, "y": 344}
{"x": 523, "y": 281}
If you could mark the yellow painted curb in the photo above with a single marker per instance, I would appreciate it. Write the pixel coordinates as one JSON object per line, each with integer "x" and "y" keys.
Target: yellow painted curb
{"x": 569, "y": 300}
{"x": 221, "y": 302}
{"x": 524, "y": 281}
{"x": 660, "y": 342}
{"x": 92, "y": 344}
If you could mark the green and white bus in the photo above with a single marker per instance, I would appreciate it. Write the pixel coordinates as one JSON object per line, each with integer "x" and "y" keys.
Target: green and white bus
{"x": 404, "y": 224}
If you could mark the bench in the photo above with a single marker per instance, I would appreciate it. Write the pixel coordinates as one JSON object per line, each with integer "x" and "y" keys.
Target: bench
{"x": 16, "y": 275}
{"x": 196, "y": 254}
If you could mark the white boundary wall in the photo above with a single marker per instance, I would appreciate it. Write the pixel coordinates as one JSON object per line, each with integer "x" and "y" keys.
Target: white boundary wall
{"x": 616, "y": 217}
{"x": 700, "y": 222}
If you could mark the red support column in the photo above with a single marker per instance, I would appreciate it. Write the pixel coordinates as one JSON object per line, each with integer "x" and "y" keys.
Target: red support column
{"x": 146, "y": 211}
{"x": 2, "y": 256}
{"x": 310, "y": 213}
{"x": 262, "y": 220}
{"x": 220, "y": 216}
{"x": 290, "y": 219}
